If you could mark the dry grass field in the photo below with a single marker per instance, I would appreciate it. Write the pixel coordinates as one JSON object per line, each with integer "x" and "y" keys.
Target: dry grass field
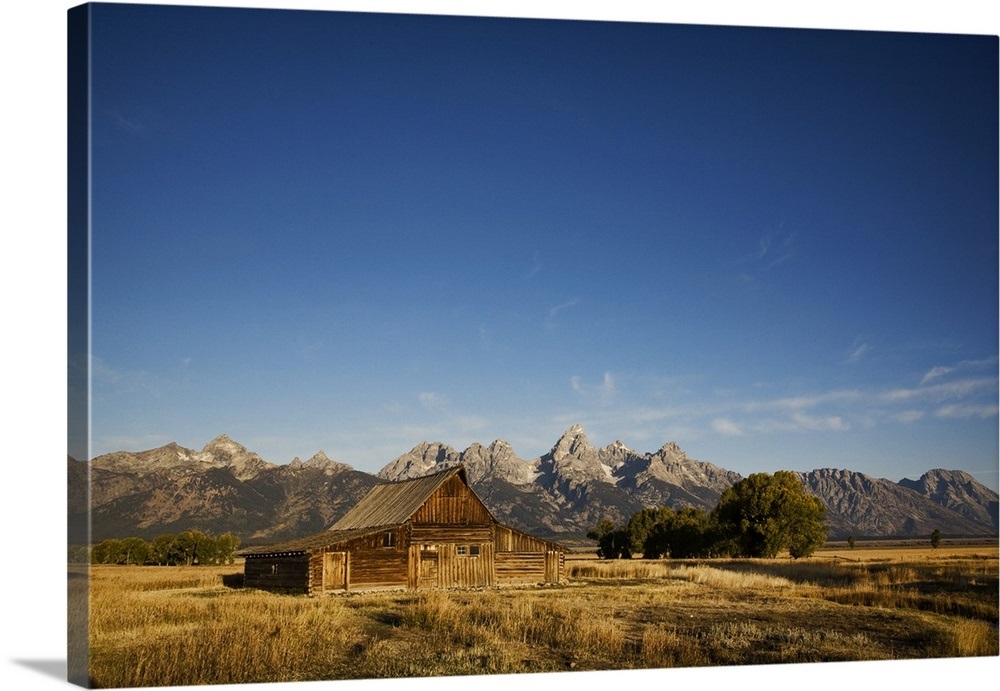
{"x": 155, "y": 626}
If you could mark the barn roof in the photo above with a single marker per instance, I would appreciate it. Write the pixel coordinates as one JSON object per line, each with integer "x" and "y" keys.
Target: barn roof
{"x": 395, "y": 502}
{"x": 299, "y": 545}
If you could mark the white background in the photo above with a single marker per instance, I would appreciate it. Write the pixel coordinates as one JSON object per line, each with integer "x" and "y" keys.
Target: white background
{"x": 32, "y": 341}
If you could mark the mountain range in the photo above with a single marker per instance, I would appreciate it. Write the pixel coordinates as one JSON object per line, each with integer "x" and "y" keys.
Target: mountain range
{"x": 560, "y": 495}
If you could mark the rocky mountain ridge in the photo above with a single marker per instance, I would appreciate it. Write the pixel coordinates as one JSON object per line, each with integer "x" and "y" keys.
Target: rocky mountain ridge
{"x": 223, "y": 487}
{"x": 559, "y": 494}
{"x": 859, "y": 504}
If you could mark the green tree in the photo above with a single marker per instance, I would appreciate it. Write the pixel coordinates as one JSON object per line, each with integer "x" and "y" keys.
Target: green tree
{"x": 638, "y": 528}
{"x": 206, "y": 549}
{"x": 763, "y": 514}
{"x": 185, "y": 548}
{"x": 935, "y": 538}
{"x": 612, "y": 542}
{"x": 601, "y": 533}
{"x": 134, "y": 550}
{"x": 194, "y": 547}
{"x": 226, "y": 549}
{"x": 162, "y": 550}
{"x": 810, "y": 533}
{"x": 106, "y": 552}
{"x": 619, "y": 546}
{"x": 680, "y": 535}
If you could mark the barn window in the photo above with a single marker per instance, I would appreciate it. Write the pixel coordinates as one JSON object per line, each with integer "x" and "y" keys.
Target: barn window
{"x": 389, "y": 539}
{"x": 473, "y": 550}
{"x": 274, "y": 569}
{"x": 462, "y": 550}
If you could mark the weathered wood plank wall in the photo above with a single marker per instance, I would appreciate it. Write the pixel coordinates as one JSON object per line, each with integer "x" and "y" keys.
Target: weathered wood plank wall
{"x": 437, "y": 534}
{"x": 455, "y": 570}
{"x": 379, "y": 569}
{"x": 510, "y": 540}
{"x": 520, "y": 567}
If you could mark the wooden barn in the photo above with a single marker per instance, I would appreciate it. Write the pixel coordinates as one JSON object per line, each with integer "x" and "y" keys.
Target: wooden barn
{"x": 429, "y": 532}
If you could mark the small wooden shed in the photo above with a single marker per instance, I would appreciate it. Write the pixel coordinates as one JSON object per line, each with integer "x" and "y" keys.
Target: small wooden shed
{"x": 428, "y": 532}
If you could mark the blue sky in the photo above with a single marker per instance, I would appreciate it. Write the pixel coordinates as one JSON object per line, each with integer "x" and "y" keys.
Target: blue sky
{"x": 357, "y": 232}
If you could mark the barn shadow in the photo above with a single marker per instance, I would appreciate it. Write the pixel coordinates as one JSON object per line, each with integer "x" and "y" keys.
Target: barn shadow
{"x": 232, "y": 580}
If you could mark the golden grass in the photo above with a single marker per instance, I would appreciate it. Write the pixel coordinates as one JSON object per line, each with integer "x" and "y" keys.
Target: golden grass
{"x": 206, "y": 634}
{"x": 909, "y": 553}
{"x": 154, "y": 626}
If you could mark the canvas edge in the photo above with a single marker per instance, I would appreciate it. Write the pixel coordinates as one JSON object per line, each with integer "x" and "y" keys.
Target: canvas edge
{"x": 78, "y": 337}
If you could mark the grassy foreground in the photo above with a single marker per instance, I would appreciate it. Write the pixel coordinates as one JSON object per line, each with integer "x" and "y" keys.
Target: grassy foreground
{"x": 158, "y": 626}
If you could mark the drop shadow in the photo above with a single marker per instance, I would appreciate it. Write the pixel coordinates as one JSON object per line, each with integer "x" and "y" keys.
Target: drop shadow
{"x": 50, "y": 668}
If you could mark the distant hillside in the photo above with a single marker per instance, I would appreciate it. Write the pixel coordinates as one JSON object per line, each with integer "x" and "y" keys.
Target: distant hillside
{"x": 221, "y": 488}
{"x": 561, "y": 494}
{"x": 960, "y": 492}
{"x": 859, "y": 505}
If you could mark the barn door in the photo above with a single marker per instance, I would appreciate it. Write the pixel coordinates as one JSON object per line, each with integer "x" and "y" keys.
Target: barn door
{"x": 428, "y": 577}
{"x": 552, "y": 567}
{"x": 335, "y": 571}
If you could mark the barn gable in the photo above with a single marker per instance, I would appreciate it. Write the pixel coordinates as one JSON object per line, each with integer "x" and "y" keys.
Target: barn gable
{"x": 397, "y": 502}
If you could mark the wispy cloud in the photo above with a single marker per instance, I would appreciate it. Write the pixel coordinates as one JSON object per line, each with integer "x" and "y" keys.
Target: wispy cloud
{"x": 820, "y": 423}
{"x": 123, "y": 123}
{"x": 858, "y": 353}
{"x": 774, "y": 248}
{"x": 470, "y": 423}
{"x": 429, "y": 399}
{"x": 554, "y": 312}
{"x": 803, "y": 402}
{"x": 961, "y": 411}
{"x": 935, "y": 373}
{"x": 603, "y": 391}
{"x": 727, "y": 427}
{"x": 536, "y": 266}
{"x": 909, "y": 416}
{"x": 963, "y": 366}
{"x": 944, "y": 391}
{"x": 110, "y": 380}
{"x": 836, "y": 410}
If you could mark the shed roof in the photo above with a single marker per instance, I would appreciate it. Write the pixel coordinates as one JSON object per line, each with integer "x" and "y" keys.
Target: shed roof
{"x": 308, "y": 543}
{"x": 395, "y": 502}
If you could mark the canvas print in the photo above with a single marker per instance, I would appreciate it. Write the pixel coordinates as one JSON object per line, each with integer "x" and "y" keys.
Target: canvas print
{"x": 410, "y": 345}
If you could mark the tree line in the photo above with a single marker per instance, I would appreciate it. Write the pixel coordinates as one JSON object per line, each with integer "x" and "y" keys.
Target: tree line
{"x": 759, "y": 516}
{"x": 190, "y": 548}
